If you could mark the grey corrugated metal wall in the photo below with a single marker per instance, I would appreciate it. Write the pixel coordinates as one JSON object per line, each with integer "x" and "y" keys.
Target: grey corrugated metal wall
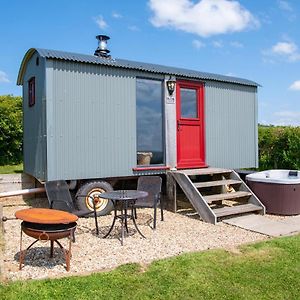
{"x": 34, "y": 124}
{"x": 231, "y": 125}
{"x": 91, "y": 121}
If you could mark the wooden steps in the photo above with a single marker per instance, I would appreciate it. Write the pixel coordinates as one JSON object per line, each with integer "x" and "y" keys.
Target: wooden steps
{"x": 204, "y": 171}
{"x": 227, "y": 196}
{"x": 215, "y": 185}
{"x": 236, "y": 210}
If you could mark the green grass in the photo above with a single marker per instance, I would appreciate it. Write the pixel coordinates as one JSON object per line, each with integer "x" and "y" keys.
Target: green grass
{"x": 10, "y": 169}
{"x": 267, "y": 270}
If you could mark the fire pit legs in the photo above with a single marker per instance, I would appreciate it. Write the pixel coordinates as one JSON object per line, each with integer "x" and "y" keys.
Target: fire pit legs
{"x": 68, "y": 255}
{"x": 21, "y": 258}
{"x": 45, "y": 225}
{"x": 51, "y": 248}
{"x": 44, "y": 236}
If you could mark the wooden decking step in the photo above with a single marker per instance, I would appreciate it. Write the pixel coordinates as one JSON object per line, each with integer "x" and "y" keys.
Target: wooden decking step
{"x": 216, "y": 183}
{"x": 227, "y": 196}
{"x": 204, "y": 171}
{"x": 235, "y": 210}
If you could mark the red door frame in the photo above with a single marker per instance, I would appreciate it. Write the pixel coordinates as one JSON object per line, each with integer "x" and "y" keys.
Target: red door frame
{"x": 200, "y": 161}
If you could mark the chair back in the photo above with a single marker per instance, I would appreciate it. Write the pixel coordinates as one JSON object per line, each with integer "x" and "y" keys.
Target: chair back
{"x": 59, "y": 196}
{"x": 152, "y": 185}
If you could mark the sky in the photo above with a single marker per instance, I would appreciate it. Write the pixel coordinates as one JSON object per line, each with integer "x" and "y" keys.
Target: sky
{"x": 254, "y": 39}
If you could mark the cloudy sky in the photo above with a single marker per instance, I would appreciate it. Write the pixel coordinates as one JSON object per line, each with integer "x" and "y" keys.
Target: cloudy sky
{"x": 257, "y": 40}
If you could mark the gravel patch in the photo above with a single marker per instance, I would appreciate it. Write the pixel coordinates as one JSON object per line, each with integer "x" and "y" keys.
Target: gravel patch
{"x": 91, "y": 253}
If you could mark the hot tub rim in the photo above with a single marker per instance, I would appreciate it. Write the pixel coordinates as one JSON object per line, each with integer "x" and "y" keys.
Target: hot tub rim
{"x": 288, "y": 181}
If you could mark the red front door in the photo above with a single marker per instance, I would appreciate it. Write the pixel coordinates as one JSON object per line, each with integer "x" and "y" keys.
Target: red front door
{"x": 190, "y": 124}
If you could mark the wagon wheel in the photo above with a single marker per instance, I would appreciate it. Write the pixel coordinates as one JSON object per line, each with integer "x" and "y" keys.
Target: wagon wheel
{"x": 92, "y": 190}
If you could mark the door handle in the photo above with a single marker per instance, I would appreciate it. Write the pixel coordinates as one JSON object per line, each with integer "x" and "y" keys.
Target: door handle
{"x": 178, "y": 127}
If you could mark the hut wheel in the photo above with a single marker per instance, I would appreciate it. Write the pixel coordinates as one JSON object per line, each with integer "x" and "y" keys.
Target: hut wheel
{"x": 94, "y": 188}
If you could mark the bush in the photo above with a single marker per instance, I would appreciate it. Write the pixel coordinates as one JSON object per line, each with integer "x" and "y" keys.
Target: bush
{"x": 11, "y": 131}
{"x": 279, "y": 147}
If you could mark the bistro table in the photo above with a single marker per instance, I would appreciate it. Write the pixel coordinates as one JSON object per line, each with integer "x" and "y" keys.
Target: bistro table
{"x": 126, "y": 198}
{"x": 45, "y": 224}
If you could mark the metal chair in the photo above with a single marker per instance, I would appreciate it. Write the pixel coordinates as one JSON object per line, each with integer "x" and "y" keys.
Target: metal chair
{"x": 60, "y": 198}
{"x": 152, "y": 185}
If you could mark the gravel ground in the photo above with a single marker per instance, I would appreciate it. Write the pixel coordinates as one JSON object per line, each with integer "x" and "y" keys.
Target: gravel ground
{"x": 178, "y": 234}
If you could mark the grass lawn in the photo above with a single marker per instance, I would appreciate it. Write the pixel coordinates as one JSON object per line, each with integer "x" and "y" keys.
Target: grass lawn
{"x": 10, "y": 169}
{"x": 266, "y": 270}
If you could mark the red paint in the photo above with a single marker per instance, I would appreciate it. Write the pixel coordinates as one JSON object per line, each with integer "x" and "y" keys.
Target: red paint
{"x": 190, "y": 131}
{"x": 150, "y": 168}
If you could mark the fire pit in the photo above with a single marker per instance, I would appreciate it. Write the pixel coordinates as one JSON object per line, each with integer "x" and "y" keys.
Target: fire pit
{"x": 47, "y": 225}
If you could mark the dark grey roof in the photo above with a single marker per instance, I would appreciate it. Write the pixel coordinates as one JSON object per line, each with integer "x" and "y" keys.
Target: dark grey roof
{"x": 121, "y": 63}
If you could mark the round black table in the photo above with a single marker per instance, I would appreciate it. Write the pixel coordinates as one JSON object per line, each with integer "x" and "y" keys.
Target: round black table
{"x": 126, "y": 198}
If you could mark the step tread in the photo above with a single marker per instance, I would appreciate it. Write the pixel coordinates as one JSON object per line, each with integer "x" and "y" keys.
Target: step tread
{"x": 227, "y": 196}
{"x": 216, "y": 183}
{"x": 204, "y": 171}
{"x": 235, "y": 210}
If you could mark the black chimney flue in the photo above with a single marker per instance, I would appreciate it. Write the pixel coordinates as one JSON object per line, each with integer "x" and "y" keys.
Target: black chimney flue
{"x": 102, "y": 50}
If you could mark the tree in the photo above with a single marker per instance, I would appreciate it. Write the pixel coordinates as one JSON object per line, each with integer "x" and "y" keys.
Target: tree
{"x": 11, "y": 131}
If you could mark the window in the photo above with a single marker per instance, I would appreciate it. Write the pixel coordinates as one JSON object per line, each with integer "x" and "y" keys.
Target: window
{"x": 188, "y": 104}
{"x": 31, "y": 91}
{"x": 149, "y": 111}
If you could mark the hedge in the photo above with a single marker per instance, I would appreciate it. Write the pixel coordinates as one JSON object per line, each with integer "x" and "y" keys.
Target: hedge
{"x": 11, "y": 131}
{"x": 279, "y": 147}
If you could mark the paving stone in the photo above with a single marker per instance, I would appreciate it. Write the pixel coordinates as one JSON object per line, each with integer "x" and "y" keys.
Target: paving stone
{"x": 265, "y": 225}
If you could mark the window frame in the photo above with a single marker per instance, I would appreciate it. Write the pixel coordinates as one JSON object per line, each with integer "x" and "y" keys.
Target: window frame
{"x": 161, "y": 80}
{"x": 31, "y": 91}
{"x": 197, "y": 110}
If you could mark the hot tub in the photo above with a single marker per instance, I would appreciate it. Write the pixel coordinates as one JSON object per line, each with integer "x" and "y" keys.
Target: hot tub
{"x": 278, "y": 190}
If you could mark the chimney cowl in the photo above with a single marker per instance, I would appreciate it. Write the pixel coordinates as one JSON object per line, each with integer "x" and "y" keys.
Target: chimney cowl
{"x": 102, "y": 50}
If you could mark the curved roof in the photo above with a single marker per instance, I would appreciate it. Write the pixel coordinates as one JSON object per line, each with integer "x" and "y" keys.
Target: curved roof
{"x": 127, "y": 64}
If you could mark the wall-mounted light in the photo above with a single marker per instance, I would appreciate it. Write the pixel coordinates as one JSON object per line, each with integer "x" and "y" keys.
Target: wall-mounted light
{"x": 171, "y": 86}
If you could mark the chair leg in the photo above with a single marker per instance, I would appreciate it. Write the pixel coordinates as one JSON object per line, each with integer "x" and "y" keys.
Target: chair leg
{"x": 135, "y": 214}
{"x": 161, "y": 209}
{"x": 161, "y": 214}
{"x": 154, "y": 218}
